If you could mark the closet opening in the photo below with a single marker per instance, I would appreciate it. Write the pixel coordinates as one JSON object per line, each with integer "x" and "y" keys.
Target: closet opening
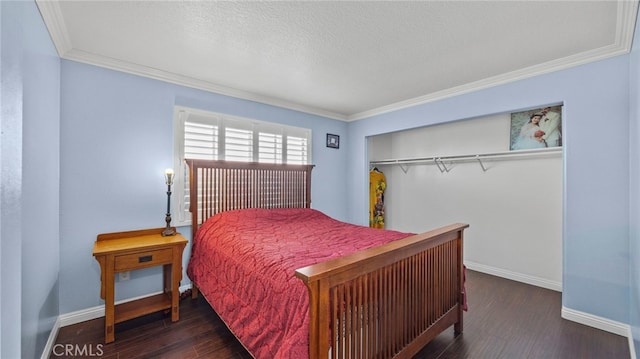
{"x": 471, "y": 171}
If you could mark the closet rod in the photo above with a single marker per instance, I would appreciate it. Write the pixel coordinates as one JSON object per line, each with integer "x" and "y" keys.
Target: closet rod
{"x": 475, "y": 157}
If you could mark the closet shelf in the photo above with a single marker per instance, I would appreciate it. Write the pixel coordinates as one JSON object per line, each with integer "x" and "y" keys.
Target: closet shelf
{"x": 443, "y": 161}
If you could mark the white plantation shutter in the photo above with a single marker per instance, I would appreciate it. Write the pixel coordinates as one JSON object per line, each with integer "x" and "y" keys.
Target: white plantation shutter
{"x": 238, "y": 144}
{"x": 212, "y": 136}
{"x": 297, "y": 150}
{"x": 269, "y": 147}
{"x": 200, "y": 141}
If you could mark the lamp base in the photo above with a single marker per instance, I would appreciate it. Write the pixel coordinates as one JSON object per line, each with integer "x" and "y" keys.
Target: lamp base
{"x": 168, "y": 232}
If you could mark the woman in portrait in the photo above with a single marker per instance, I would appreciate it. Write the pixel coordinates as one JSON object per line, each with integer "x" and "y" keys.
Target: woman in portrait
{"x": 530, "y": 134}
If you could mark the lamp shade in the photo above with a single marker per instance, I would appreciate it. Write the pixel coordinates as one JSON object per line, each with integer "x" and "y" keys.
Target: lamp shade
{"x": 168, "y": 175}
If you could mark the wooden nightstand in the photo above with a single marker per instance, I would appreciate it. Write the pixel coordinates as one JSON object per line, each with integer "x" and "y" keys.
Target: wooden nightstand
{"x": 126, "y": 251}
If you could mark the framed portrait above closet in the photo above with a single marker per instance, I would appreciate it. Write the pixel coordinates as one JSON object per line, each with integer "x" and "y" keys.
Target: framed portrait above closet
{"x": 536, "y": 128}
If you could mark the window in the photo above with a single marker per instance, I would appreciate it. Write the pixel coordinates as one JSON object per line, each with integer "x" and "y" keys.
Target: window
{"x": 213, "y": 136}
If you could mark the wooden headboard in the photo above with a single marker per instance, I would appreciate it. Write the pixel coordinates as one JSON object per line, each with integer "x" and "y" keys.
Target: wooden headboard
{"x": 218, "y": 186}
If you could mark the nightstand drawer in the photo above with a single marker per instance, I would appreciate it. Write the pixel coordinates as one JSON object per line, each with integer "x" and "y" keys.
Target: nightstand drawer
{"x": 143, "y": 259}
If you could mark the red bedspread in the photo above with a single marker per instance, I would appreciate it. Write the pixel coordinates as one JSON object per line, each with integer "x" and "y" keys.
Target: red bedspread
{"x": 244, "y": 263}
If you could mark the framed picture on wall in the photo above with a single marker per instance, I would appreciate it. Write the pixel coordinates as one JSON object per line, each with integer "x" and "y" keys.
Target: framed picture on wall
{"x": 333, "y": 141}
{"x": 537, "y": 128}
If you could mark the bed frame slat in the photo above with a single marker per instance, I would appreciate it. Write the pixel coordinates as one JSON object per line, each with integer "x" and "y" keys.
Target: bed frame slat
{"x": 418, "y": 287}
{"x": 384, "y": 302}
{"x": 224, "y": 185}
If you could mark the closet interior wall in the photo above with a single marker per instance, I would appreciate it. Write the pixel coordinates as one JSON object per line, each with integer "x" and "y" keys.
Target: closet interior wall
{"x": 513, "y": 205}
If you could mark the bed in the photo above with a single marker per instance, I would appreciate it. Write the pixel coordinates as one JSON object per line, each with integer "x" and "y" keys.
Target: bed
{"x": 291, "y": 282}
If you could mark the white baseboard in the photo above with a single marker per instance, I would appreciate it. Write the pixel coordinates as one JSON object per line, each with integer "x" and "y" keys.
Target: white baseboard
{"x": 569, "y": 314}
{"x": 593, "y": 321}
{"x": 84, "y": 315}
{"x": 51, "y": 341}
{"x": 519, "y": 277}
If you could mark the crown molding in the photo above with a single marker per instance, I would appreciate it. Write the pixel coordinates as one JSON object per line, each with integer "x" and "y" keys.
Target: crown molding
{"x": 502, "y": 79}
{"x": 627, "y": 11}
{"x": 149, "y": 72}
{"x": 52, "y": 16}
{"x": 54, "y": 21}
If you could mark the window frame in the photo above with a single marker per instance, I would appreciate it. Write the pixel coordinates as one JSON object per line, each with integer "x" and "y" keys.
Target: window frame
{"x": 222, "y": 121}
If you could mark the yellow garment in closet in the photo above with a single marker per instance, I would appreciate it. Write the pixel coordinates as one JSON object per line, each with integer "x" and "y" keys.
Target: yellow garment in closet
{"x": 377, "y": 185}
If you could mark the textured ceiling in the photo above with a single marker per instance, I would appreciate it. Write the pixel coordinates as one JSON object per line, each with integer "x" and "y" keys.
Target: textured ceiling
{"x": 340, "y": 59}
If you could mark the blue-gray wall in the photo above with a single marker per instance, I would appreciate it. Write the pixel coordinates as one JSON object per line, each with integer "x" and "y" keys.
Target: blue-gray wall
{"x": 596, "y": 170}
{"x": 30, "y": 181}
{"x": 40, "y": 185}
{"x": 10, "y": 180}
{"x": 116, "y": 141}
{"x": 634, "y": 191}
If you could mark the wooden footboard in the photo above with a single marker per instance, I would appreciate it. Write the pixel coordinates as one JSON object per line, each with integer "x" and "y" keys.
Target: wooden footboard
{"x": 389, "y": 301}
{"x": 384, "y": 302}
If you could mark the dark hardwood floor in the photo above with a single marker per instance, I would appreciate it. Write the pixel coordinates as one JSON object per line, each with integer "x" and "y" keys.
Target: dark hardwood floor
{"x": 506, "y": 319}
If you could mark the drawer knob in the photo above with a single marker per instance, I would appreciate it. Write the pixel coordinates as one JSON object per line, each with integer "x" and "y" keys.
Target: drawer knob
{"x": 145, "y": 259}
